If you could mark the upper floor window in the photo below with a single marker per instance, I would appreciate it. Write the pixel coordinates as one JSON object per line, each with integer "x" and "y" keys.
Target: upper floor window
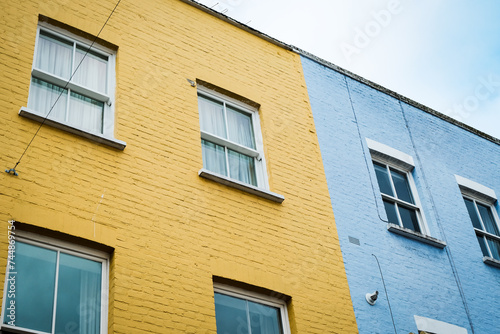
{"x": 399, "y": 202}
{"x": 88, "y": 95}
{"x": 53, "y": 287}
{"x": 72, "y": 84}
{"x": 485, "y": 226}
{"x": 240, "y": 311}
{"x": 231, "y": 138}
{"x": 479, "y": 201}
{"x": 399, "y": 195}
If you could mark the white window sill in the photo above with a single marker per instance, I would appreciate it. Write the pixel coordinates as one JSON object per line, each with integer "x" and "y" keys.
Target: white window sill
{"x": 491, "y": 261}
{"x": 416, "y": 235}
{"x": 241, "y": 186}
{"x": 99, "y": 138}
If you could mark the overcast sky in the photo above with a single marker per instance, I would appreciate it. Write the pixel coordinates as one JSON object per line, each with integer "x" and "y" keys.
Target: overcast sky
{"x": 444, "y": 54}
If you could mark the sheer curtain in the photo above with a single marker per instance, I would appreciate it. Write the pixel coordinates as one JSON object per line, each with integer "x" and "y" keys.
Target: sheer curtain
{"x": 240, "y": 128}
{"x": 212, "y": 117}
{"x": 90, "y": 303}
{"x": 54, "y": 56}
{"x": 242, "y": 167}
{"x": 92, "y": 72}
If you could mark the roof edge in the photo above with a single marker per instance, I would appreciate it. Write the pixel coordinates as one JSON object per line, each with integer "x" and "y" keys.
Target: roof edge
{"x": 397, "y": 96}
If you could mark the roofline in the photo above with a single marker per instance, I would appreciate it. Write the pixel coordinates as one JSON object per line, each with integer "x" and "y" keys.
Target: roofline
{"x": 341, "y": 70}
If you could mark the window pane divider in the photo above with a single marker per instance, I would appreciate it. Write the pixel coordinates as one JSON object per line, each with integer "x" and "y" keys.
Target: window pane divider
{"x": 400, "y": 202}
{"x": 230, "y": 144}
{"x": 487, "y": 234}
{"x": 55, "y": 80}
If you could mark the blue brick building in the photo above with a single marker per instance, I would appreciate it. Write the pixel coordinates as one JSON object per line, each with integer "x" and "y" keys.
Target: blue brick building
{"x": 414, "y": 195}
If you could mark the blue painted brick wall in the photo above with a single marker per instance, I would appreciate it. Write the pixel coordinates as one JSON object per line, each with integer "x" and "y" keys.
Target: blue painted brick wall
{"x": 419, "y": 278}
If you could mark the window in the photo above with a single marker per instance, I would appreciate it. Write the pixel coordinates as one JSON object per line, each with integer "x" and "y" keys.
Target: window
{"x": 238, "y": 311}
{"x": 51, "y": 288}
{"x": 228, "y": 139}
{"x": 479, "y": 201}
{"x": 399, "y": 201}
{"x": 71, "y": 84}
{"x": 485, "y": 226}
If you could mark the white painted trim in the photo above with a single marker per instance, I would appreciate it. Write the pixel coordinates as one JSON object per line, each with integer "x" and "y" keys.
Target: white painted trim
{"x": 473, "y": 188}
{"x": 406, "y": 232}
{"x": 436, "y": 326}
{"x": 390, "y": 155}
{"x": 258, "y": 298}
{"x": 205, "y": 173}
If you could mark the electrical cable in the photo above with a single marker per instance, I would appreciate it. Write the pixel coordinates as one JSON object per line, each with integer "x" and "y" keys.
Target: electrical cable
{"x": 386, "y": 295}
{"x": 438, "y": 221}
{"x": 60, "y": 94}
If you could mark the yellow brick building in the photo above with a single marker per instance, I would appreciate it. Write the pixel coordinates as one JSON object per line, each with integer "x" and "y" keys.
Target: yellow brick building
{"x": 117, "y": 202}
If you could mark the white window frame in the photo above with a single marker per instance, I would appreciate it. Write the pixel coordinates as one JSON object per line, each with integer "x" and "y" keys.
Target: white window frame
{"x": 481, "y": 194}
{"x": 67, "y": 248}
{"x": 262, "y": 188}
{"x": 108, "y": 98}
{"x": 258, "y": 298}
{"x": 403, "y": 163}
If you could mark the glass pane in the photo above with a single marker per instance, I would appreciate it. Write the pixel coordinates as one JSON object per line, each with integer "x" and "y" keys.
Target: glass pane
{"x": 42, "y": 97}
{"x": 214, "y": 157}
{"x": 402, "y": 186}
{"x": 78, "y": 295}
{"x": 482, "y": 243}
{"x": 383, "y": 179}
{"x": 242, "y": 168}
{"x": 473, "y": 214}
{"x": 230, "y": 314}
{"x": 494, "y": 248}
{"x": 85, "y": 113}
{"x": 240, "y": 128}
{"x": 409, "y": 218}
{"x": 390, "y": 209}
{"x": 264, "y": 319}
{"x": 92, "y": 72}
{"x": 488, "y": 220}
{"x": 212, "y": 116}
{"x": 54, "y": 55}
{"x": 33, "y": 287}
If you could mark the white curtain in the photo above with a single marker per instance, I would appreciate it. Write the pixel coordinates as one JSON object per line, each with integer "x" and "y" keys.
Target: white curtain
{"x": 55, "y": 57}
{"x": 242, "y": 167}
{"x": 240, "y": 128}
{"x": 43, "y": 95}
{"x": 90, "y": 303}
{"x": 92, "y": 72}
{"x": 212, "y": 117}
{"x": 85, "y": 113}
{"x": 214, "y": 157}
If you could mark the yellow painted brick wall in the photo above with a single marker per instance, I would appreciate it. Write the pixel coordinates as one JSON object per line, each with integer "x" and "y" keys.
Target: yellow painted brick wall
{"x": 172, "y": 230}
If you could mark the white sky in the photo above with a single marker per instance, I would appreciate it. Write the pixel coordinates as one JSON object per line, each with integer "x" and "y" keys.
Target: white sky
{"x": 444, "y": 54}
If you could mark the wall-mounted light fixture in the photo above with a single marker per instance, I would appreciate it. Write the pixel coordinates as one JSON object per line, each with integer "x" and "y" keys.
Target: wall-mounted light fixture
{"x": 371, "y": 298}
